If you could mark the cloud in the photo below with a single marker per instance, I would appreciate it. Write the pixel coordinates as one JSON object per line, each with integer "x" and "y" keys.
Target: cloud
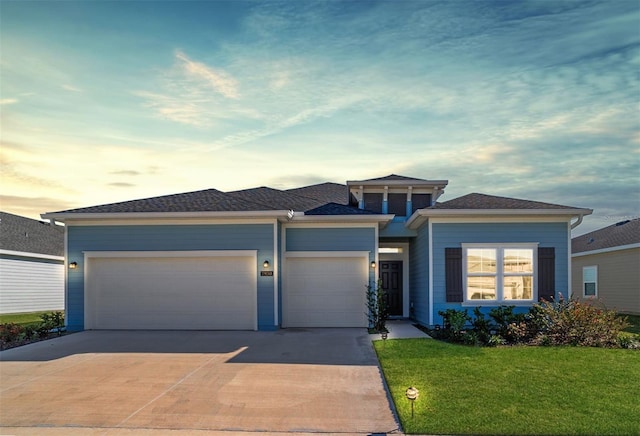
{"x": 6, "y": 101}
{"x": 121, "y": 185}
{"x": 217, "y": 79}
{"x": 32, "y": 207}
{"x": 126, "y": 173}
{"x": 71, "y": 88}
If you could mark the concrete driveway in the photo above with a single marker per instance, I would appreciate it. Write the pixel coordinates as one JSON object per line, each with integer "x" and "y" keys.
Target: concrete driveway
{"x": 294, "y": 380}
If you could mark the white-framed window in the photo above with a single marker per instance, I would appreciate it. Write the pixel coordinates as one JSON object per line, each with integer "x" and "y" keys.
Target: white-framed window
{"x": 590, "y": 281}
{"x": 501, "y": 273}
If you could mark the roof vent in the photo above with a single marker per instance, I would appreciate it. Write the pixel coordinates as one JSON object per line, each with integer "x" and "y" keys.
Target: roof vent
{"x": 622, "y": 223}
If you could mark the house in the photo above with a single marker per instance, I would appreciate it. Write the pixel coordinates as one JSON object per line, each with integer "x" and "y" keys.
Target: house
{"x": 265, "y": 259}
{"x": 31, "y": 265}
{"x": 606, "y": 266}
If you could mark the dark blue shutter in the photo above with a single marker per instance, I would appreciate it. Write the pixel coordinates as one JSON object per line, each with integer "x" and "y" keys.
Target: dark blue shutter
{"x": 546, "y": 273}
{"x": 453, "y": 274}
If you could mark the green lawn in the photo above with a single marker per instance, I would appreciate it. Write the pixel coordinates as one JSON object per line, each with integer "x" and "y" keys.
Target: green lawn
{"x": 23, "y": 318}
{"x": 513, "y": 390}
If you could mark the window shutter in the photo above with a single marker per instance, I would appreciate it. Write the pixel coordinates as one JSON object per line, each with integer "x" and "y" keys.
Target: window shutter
{"x": 453, "y": 274}
{"x": 546, "y": 273}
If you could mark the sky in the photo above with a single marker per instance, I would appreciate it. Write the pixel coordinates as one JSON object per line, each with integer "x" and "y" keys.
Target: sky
{"x": 106, "y": 101}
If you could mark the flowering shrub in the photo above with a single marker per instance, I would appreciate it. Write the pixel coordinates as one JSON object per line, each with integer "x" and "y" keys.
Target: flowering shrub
{"x": 565, "y": 322}
{"x": 10, "y": 332}
{"x": 571, "y": 322}
{"x": 12, "y": 335}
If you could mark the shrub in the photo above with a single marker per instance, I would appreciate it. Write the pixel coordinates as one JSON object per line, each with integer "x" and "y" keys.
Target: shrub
{"x": 377, "y": 310}
{"x": 10, "y": 332}
{"x": 629, "y": 340}
{"x": 53, "y": 321}
{"x": 571, "y": 322}
{"x": 454, "y": 322}
{"x": 504, "y": 317}
{"x": 481, "y": 326}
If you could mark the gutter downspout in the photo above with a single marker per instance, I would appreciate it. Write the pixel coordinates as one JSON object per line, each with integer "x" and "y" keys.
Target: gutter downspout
{"x": 577, "y": 223}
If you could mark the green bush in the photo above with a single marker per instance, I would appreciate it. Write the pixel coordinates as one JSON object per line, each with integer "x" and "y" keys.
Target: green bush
{"x": 629, "y": 340}
{"x": 51, "y": 322}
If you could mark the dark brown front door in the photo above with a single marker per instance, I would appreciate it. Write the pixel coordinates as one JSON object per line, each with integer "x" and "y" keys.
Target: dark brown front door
{"x": 391, "y": 276}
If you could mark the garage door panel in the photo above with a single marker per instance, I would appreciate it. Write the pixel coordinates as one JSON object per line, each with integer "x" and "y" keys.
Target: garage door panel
{"x": 172, "y": 293}
{"x": 325, "y": 292}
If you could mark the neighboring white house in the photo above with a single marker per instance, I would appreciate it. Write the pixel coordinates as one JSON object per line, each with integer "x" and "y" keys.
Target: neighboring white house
{"x": 31, "y": 265}
{"x": 606, "y": 266}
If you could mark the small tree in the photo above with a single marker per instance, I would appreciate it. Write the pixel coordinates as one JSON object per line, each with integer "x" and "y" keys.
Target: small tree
{"x": 377, "y": 310}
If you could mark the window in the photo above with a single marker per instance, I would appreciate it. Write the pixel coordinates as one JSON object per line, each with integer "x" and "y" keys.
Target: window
{"x": 420, "y": 201}
{"x": 397, "y": 204}
{"x": 590, "y": 281}
{"x": 501, "y": 273}
{"x": 373, "y": 202}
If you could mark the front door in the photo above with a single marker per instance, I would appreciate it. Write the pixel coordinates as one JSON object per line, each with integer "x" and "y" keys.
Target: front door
{"x": 391, "y": 276}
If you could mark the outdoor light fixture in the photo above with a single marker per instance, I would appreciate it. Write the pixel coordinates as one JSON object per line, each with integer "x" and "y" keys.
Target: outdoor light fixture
{"x": 73, "y": 265}
{"x": 373, "y": 264}
{"x": 265, "y": 264}
{"x": 412, "y": 394}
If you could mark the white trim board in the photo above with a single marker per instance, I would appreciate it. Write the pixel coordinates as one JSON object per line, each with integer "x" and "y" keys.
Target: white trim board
{"x": 606, "y": 250}
{"x": 29, "y": 254}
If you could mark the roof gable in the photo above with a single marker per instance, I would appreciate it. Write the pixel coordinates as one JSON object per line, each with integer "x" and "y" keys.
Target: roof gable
{"x": 26, "y": 235}
{"x": 618, "y": 234}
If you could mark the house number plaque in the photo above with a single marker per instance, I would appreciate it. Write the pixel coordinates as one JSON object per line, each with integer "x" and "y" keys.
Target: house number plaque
{"x": 266, "y": 273}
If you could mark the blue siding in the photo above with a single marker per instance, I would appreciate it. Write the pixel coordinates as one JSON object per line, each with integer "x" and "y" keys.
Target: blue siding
{"x": 333, "y": 239}
{"x": 330, "y": 239}
{"x": 453, "y": 235}
{"x": 397, "y": 229}
{"x": 419, "y": 276}
{"x": 168, "y": 238}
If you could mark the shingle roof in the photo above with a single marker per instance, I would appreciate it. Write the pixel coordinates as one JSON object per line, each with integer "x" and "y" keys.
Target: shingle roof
{"x": 208, "y": 200}
{"x": 305, "y": 199}
{"x": 621, "y": 233}
{"x": 275, "y": 199}
{"x": 484, "y": 201}
{"x": 325, "y": 192}
{"x": 18, "y": 233}
{"x": 338, "y": 209}
{"x": 392, "y": 177}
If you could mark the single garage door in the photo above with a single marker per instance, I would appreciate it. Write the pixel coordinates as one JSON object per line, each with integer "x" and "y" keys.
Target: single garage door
{"x": 171, "y": 293}
{"x": 325, "y": 292}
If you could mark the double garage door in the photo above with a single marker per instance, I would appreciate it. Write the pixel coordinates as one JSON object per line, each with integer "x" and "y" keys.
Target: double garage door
{"x": 198, "y": 292}
{"x": 219, "y": 291}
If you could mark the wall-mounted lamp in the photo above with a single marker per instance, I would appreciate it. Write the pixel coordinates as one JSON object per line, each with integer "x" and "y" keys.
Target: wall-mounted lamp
{"x": 373, "y": 264}
{"x": 73, "y": 265}
{"x": 265, "y": 264}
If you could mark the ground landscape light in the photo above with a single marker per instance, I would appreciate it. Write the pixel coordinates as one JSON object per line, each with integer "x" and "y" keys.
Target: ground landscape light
{"x": 412, "y": 394}
{"x": 73, "y": 265}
